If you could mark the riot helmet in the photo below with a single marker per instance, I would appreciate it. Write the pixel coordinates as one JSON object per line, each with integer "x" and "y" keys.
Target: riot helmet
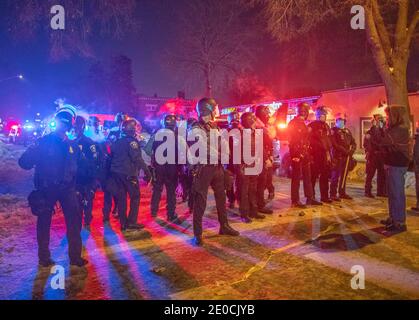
{"x": 263, "y": 113}
{"x": 170, "y": 121}
{"x": 129, "y": 127}
{"x": 248, "y": 120}
{"x": 206, "y": 107}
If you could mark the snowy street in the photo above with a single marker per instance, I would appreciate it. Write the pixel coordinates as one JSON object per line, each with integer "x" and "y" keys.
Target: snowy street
{"x": 294, "y": 254}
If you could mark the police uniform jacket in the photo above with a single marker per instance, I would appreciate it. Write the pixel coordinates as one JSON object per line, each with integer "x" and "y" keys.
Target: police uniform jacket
{"x": 320, "y": 141}
{"x": 126, "y": 158}
{"x": 55, "y": 160}
{"x": 343, "y": 143}
{"x": 88, "y": 163}
{"x": 298, "y": 134}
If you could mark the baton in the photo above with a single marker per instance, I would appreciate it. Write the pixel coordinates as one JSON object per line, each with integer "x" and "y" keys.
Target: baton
{"x": 343, "y": 177}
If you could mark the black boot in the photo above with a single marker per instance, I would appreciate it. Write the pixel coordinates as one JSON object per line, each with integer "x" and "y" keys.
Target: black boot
{"x": 335, "y": 199}
{"x": 299, "y": 205}
{"x": 79, "y": 263}
{"x": 396, "y": 228}
{"x": 345, "y": 196}
{"x": 246, "y": 219}
{"x": 265, "y": 210}
{"x": 173, "y": 218}
{"x": 313, "y": 202}
{"x": 46, "y": 263}
{"x": 257, "y": 216}
{"x": 197, "y": 241}
{"x": 387, "y": 222}
{"x": 225, "y": 229}
{"x": 135, "y": 226}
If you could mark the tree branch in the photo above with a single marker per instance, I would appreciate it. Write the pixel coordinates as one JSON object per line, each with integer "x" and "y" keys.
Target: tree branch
{"x": 376, "y": 46}
{"x": 401, "y": 23}
{"x": 411, "y": 30}
{"x": 382, "y": 31}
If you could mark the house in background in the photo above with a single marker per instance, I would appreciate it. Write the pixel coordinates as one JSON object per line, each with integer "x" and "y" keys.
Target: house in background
{"x": 151, "y": 109}
{"x": 360, "y": 104}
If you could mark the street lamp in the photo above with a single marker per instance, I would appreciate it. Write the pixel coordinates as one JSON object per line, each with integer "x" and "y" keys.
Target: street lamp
{"x": 19, "y": 76}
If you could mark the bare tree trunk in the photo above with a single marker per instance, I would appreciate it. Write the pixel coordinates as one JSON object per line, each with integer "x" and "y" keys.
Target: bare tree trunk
{"x": 396, "y": 88}
{"x": 391, "y": 60}
{"x": 398, "y": 95}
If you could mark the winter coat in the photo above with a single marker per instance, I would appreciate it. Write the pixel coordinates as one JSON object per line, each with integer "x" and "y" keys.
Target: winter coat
{"x": 396, "y": 143}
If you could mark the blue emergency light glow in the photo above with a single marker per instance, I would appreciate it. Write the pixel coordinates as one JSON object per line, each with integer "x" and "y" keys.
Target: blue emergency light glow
{"x": 28, "y": 125}
{"x": 52, "y": 124}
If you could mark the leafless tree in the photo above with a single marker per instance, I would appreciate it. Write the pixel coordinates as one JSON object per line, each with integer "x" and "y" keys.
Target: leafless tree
{"x": 391, "y": 27}
{"x": 85, "y": 21}
{"x": 248, "y": 89}
{"x": 212, "y": 42}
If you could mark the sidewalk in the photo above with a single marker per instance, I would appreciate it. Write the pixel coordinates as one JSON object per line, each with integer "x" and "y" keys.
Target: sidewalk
{"x": 294, "y": 254}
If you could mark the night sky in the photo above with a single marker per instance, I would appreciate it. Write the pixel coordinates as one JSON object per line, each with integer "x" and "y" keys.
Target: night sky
{"x": 46, "y": 81}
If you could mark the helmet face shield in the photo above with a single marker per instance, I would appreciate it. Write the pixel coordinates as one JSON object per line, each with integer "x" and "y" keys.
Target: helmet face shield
{"x": 321, "y": 113}
{"x": 303, "y": 110}
{"x": 207, "y": 107}
{"x": 248, "y": 120}
{"x": 94, "y": 121}
{"x": 170, "y": 121}
{"x": 234, "y": 118}
{"x": 79, "y": 125}
{"x": 129, "y": 127}
{"x": 121, "y": 117}
{"x": 64, "y": 121}
{"x": 263, "y": 113}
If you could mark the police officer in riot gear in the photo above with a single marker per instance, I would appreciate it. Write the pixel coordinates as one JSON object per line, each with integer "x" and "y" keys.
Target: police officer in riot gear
{"x": 263, "y": 115}
{"x": 206, "y": 175}
{"x": 231, "y": 174}
{"x": 55, "y": 158}
{"x": 374, "y": 157}
{"x": 343, "y": 147}
{"x": 321, "y": 145}
{"x": 186, "y": 177}
{"x": 248, "y": 183}
{"x": 299, "y": 145}
{"x": 87, "y": 170}
{"x": 126, "y": 161}
{"x": 115, "y": 132}
{"x": 93, "y": 129}
{"x": 166, "y": 175}
{"x": 113, "y": 136}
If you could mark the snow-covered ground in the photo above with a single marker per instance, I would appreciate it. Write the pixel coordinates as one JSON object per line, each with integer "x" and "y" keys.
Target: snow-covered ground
{"x": 294, "y": 254}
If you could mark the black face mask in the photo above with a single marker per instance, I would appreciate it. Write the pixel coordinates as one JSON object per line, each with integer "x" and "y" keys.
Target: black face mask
{"x": 170, "y": 123}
